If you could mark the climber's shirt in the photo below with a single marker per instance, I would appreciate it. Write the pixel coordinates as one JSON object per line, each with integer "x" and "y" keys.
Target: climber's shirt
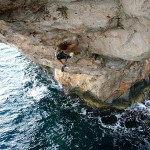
{"x": 63, "y": 55}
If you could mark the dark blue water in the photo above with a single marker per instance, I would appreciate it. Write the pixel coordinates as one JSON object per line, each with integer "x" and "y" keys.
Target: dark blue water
{"x": 36, "y": 115}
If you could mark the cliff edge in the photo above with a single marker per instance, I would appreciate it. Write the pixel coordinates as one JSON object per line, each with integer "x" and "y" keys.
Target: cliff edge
{"x": 114, "y": 43}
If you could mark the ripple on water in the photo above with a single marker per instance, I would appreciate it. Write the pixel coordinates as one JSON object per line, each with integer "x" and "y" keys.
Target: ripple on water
{"x": 36, "y": 114}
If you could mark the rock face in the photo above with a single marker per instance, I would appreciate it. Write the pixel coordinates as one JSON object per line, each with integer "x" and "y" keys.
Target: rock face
{"x": 114, "y": 42}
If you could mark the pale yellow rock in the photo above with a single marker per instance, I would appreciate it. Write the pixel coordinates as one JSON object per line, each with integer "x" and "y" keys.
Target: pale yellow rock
{"x": 83, "y": 81}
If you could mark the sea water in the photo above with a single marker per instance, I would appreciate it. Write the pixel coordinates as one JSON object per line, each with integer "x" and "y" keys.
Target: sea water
{"x": 35, "y": 114}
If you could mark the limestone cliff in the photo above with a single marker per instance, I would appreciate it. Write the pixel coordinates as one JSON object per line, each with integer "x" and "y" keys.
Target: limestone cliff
{"x": 114, "y": 44}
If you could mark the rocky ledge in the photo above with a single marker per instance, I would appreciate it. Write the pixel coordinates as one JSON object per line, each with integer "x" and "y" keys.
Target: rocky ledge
{"x": 113, "y": 66}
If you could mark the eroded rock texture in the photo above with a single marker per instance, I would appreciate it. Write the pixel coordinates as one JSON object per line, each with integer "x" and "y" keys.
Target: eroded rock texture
{"x": 114, "y": 42}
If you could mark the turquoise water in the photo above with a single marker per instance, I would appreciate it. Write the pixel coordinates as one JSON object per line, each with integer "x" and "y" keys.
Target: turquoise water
{"x": 35, "y": 114}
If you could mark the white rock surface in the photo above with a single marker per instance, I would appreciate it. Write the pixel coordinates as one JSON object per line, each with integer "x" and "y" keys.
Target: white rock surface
{"x": 119, "y": 43}
{"x": 82, "y": 15}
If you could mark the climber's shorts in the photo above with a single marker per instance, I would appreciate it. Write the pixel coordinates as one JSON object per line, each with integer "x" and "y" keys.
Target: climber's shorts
{"x": 63, "y": 55}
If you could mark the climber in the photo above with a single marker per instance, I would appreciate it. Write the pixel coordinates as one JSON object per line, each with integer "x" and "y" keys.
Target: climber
{"x": 65, "y": 50}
